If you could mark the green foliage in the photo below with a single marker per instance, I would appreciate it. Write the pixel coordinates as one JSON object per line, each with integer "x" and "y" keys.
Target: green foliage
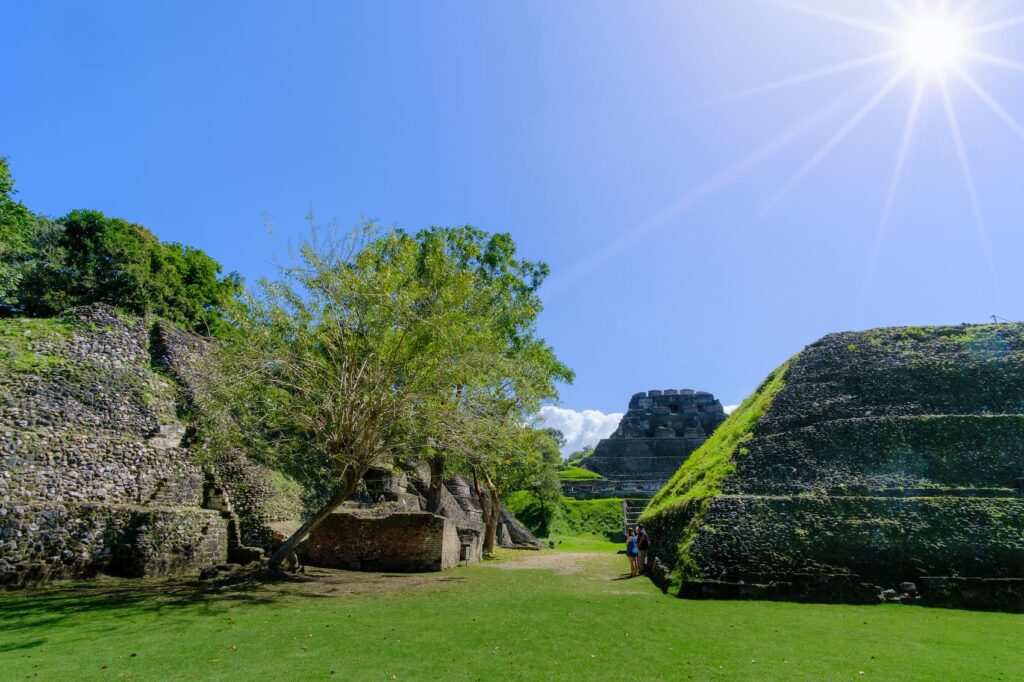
{"x": 25, "y": 344}
{"x": 576, "y": 457}
{"x": 86, "y": 257}
{"x": 575, "y": 473}
{"x": 17, "y": 225}
{"x": 569, "y": 517}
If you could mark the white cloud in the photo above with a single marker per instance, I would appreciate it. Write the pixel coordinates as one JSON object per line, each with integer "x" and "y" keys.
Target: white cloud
{"x": 729, "y": 409}
{"x": 581, "y": 428}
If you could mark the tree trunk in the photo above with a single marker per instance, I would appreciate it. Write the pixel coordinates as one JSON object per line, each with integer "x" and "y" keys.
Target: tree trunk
{"x": 287, "y": 548}
{"x": 436, "y": 484}
{"x": 489, "y": 516}
{"x": 490, "y": 540}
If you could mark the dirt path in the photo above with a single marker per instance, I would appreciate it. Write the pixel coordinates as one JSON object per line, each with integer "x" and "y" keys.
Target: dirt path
{"x": 563, "y": 563}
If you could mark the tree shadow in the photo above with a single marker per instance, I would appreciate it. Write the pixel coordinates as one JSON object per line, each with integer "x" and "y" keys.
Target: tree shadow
{"x": 117, "y": 599}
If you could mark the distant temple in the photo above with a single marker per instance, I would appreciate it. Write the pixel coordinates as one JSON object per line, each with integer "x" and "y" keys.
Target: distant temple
{"x": 656, "y": 435}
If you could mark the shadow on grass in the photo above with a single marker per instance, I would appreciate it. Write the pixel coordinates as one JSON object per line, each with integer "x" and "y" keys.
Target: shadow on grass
{"x": 114, "y": 599}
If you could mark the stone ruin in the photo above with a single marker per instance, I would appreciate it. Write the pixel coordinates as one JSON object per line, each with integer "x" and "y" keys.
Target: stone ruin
{"x": 94, "y": 472}
{"x": 97, "y": 474}
{"x": 886, "y": 464}
{"x": 405, "y": 536}
{"x": 655, "y": 436}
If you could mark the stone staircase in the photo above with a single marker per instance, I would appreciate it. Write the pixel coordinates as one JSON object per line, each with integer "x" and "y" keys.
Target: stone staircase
{"x": 631, "y": 510}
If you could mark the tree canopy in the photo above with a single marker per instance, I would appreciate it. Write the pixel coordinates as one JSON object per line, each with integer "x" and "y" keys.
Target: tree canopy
{"x": 384, "y": 345}
{"x": 86, "y": 257}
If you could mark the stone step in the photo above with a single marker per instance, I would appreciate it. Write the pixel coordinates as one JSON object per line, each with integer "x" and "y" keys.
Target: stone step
{"x": 631, "y": 511}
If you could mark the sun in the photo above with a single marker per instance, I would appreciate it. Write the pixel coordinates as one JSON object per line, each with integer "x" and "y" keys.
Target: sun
{"x": 934, "y": 43}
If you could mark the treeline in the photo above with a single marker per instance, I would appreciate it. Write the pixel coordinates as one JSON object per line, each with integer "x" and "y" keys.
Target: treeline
{"x": 50, "y": 265}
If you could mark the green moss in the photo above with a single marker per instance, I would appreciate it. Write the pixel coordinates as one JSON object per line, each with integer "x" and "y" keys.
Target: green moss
{"x": 27, "y": 345}
{"x": 701, "y": 475}
{"x": 677, "y": 508}
{"x": 575, "y": 473}
{"x": 287, "y": 500}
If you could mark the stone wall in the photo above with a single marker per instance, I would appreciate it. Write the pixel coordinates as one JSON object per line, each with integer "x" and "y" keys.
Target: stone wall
{"x": 93, "y": 475}
{"x": 399, "y": 541}
{"x": 75, "y": 467}
{"x": 879, "y": 459}
{"x": 44, "y": 541}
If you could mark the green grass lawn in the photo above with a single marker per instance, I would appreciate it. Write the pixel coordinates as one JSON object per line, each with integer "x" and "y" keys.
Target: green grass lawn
{"x": 583, "y": 543}
{"x": 574, "y": 473}
{"x": 531, "y": 615}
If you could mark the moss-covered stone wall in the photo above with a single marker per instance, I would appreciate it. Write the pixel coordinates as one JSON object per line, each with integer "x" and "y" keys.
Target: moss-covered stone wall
{"x": 877, "y": 458}
{"x": 95, "y": 472}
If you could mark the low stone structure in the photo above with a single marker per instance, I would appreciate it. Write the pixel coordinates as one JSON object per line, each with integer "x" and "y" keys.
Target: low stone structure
{"x": 408, "y": 490}
{"x": 361, "y": 540}
{"x": 655, "y": 436}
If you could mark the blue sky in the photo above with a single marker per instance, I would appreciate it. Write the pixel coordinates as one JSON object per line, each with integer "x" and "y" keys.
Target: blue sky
{"x": 577, "y": 127}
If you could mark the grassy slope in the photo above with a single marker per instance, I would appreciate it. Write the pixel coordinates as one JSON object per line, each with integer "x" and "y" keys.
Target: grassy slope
{"x": 575, "y": 473}
{"x": 484, "y": 623}
{"x": 699, "y": 479}
{"x": 599, "y": 519}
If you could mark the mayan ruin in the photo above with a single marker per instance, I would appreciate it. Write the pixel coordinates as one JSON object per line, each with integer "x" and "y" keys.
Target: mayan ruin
{"x": 461, "y": 341}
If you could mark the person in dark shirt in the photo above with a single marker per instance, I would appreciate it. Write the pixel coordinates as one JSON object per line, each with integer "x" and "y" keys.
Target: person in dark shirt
{"x": 642, "y": 544}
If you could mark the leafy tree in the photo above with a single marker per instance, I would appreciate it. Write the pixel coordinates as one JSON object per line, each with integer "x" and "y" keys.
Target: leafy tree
{"x": 17, "y": 227}
{"x": 537, "y": 472}
{"x": 482, "y": 289}
{"x": 383, "y": 346}
{"x": 576, "y": 457}
{"x": 557, "y": 436}
{"x": 87, "y": 257}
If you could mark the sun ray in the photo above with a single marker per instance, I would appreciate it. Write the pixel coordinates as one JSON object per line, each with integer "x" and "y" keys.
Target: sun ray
{"x": 899, "y": 10}
{"x": 897, "y": 174}
{"x": 965, "y": 170}
{"x": 696, "y": 194}
{"x": 996, "y": 26}
{"x": 992, "y": 103}
{"x": 996, "y": 60}
{"x": 836, "y": 139}
{"x": 836, "y": 18}
{"x": 841, "y": 67}
{"x": 963, "y": 10}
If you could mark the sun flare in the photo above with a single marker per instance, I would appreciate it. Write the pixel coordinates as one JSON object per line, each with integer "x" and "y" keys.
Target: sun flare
{"x": 934, "y": 43}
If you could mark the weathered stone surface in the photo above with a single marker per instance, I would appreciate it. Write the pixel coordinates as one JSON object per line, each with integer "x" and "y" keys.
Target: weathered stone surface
{"x": 656, "y": 434}
{"x": 885, "y": 458}
{"x": 396, "y": 541}
{"x": 54, "y": 541}
{"x": 93, "y": 475}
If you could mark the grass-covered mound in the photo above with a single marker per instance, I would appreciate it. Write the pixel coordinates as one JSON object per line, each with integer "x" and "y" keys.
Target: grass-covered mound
{"x": 868, "y": 460}
{"x": 569, "y": 518}
{"x": 674, "y": 515}
{"x": 575, "y": 473}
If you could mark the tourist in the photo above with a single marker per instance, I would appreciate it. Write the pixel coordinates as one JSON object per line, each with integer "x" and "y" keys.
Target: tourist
{"x": 642, "y": 544}
{"x": 631, "y": 553}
